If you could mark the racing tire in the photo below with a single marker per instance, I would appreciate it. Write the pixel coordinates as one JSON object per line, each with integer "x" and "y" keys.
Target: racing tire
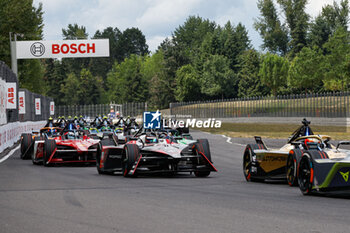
{"x": 202, "y": 173}
{"x": 49, "y": 148}
{"x": 305, "y": 174}
{"x": 291, "y": 167}
{"x": 247, "y": 163}
{"x": 131, "y": 155}
{"x": 98, "y": 158}
{"x": 26, "y": 145}
{"x": 203, "y": 147}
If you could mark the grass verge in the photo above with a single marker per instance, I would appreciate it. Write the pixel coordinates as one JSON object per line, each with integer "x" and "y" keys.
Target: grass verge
{"x": 247, "y": 130}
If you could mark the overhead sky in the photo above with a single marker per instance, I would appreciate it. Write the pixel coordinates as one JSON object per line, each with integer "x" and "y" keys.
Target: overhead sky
{"x": 157, "y": 19}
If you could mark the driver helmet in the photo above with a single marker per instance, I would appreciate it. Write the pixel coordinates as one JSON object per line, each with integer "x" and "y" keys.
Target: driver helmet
{"x": 150, "y": 139}
{"x": 71, "y": 135}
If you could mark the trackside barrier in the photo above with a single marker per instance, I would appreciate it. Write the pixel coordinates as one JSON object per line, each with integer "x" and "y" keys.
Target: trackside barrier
{"x": 10, "y": 133}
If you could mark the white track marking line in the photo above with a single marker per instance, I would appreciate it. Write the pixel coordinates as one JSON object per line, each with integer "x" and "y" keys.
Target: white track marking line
{"x": 229, "y": 141}
{"x": 9, "y": 154}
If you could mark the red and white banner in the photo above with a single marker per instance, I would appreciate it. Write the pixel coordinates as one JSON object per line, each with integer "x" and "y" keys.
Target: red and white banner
{"x": 11, "y": 100}
{"x": 52, "y": 108}
{"x": 21, "y": 102}
{"x": 11, "y": 132}
{"x": 62, "y": 48}
{"x": 37, "y": 106}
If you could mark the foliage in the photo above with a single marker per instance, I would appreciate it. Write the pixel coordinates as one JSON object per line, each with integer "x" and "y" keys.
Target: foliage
{"x": 188, "y": 87}
{"x": 274, "y": 71}
{"x": 273, "y": 33}
{"x": 249, "y": 80}
{"x": 305, "y": 71}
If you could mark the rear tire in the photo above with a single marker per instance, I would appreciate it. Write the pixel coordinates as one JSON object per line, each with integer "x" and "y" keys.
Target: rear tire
{"x": 291, "y": 169}
{"x": 26, "y": 145}
{"x": 49, "y": 148}
{"x": 131, "y": 155}
{"x": 305, "y": 175}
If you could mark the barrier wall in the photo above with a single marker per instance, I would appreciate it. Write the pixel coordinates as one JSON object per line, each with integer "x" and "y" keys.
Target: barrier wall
{"x": 11, "y": 132}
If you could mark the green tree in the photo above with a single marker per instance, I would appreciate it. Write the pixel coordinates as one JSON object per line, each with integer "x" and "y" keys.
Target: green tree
{"x": 160, "y": 85}
{"x": 54, "y": 76}
{"x": 273, "y": 33}
{"x": 20, "y": 16}
{"x": 297, "y": 20}
{"x": 326, "y": 23}
{"x": 132, "y": 41}
{"x": 75, "y": 65}
{"x": 249, "y": 81}
{"x": 126, "y": 81}
{"x": 69, "y": 89}
{"x": 305, "y": 71}
{"x": 274, "y": 72}
{"x": 218, "y": 80}
{"x": 188, "y": 86}
{"x": 83, "y": 89}
{"x": 336, "y": 62}
{"x": 74, "y": 32}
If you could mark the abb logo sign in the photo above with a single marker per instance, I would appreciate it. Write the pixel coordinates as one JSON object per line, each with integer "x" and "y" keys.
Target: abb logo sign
{"x": 37, "y": 106}
{"x": 73, "y": 48}
{"x": 11, "y": 95}
{"x": 21, "y": 102}
{"x": 52, "y": 108}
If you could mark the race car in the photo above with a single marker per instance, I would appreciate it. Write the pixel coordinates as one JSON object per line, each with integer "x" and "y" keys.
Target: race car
{"x": 149, "y": 154}
{"x": 322, "y": 167}
{"x": 260, "y": 162}
{"x": 28, "y": 139}
{"x": 71, "y": 146}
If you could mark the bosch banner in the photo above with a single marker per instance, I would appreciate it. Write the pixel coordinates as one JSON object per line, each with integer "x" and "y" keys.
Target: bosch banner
{"x": 62, "y": 48}
{"x": 21, "y": 102}
{"x": 11, "y": 102}
{"x": 37, "y": 106}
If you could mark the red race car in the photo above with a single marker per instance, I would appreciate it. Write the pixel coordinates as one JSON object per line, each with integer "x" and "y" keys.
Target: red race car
{"x": 71, "y": 146}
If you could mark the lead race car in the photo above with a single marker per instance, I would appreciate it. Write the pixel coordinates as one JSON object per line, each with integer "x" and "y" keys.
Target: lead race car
{"x": 148, "y": 153}
{"x": 70, "y": 146}
{"x": 260, "y": 162}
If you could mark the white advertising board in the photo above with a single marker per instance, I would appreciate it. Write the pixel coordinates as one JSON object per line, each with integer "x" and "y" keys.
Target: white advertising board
{"x": 62, "y": 48}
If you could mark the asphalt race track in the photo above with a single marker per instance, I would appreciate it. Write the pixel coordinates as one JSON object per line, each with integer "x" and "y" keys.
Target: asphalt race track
{"x": 76, "y": 199}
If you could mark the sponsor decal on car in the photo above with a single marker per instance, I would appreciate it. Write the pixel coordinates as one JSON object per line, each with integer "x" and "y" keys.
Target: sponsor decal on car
{"x": 345, "y": 175}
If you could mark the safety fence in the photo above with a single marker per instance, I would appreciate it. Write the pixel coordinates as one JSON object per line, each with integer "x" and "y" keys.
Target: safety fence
{"x": 328, "y": 104}
{"x": 10, "y": 133}
{"x": 126, "y": 109}
{"x": 20, "y": 104}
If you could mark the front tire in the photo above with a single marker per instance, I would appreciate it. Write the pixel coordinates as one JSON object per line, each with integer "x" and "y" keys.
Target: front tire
{"x": 247, "y": 164}
{"x": 132, "y": 153}
{"x": 49, "y": 148}
{"x": 305, "y": 175}
{"x": 26, "y": 145}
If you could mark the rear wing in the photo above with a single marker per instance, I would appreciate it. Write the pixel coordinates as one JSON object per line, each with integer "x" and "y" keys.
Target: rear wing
{"x": 259, "y": 141}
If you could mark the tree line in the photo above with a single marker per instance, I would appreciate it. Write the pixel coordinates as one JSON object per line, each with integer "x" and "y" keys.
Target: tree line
{"x": 200, "y": 61}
